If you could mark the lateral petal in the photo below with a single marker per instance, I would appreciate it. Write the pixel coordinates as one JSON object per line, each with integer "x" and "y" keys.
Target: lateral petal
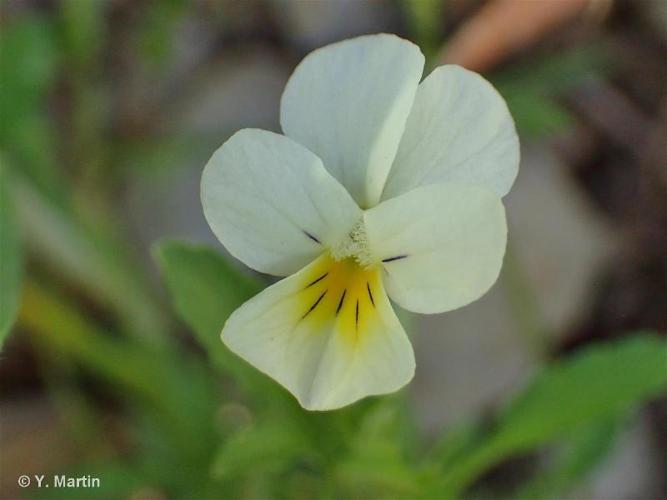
{"x": 271, "y": 202}
{"x": 441, "y": 246}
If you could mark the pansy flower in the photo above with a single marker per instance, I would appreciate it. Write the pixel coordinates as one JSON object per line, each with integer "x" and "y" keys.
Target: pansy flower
{"x": 381, "y": 188}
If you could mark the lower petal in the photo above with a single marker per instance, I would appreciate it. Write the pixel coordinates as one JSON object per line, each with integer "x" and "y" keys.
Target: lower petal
{"x": 327, "y": 333}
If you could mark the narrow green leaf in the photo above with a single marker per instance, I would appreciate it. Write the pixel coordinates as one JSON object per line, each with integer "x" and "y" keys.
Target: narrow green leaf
{"x": 61, "y": 327}
{"x": 598, "y": 384}
{"x": 555, "y": 73}
{"x": 10, "y": 260}
{"x": 28, "y": 60}
{"x": 205, "y": 289}
{"x": 530, "y": 88}
{"x": 582, "y": 453}
{"x": 170, "y": 387}
{"x": 28, "y": 67}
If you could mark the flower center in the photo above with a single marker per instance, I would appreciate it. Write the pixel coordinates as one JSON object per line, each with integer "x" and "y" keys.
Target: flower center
{"x": 341, "y": 292}
{"x": 354, "y": 246}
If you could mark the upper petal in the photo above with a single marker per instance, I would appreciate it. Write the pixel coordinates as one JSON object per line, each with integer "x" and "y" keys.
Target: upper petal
{"x": 271, "y": 202}
{"x": 328, "y": 334}
{"x": 459, "y": 130}
{"x": 441, "y": 245}
{"x": 348, "y": 102}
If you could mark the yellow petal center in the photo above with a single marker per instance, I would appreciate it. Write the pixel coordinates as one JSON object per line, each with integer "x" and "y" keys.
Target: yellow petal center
{"x": 343, "y": 293}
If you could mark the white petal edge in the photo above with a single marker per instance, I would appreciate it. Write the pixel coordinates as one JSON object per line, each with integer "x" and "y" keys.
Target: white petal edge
{"x": 459, "y": 130}
{"x": 442, "y": 245}
{"x": 348, "y": 103}
{"x": 271, "y": 202}
{"x": 315, "y": 361}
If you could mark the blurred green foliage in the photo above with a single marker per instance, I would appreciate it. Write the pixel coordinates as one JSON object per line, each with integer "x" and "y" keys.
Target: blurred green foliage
{"x": 212, "y": 431}
{"x": 28, "y": 65}
{"x": 425, "y": 20}
{"x": 593, "y": 386}
{"x": 581, "y": 453}
{"x": 11, "y": 265}
{"x": 198, "y": 422}
{"x": 576, "y": 386}
{"x": 532, "y": 88}
{"x": 192, "y": 275}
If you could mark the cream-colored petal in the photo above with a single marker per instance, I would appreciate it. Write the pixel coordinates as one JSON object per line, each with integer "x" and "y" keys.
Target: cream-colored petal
{"x": 328, "y": 334}
{"x": 459, "y": 130}
{"x": 441, "y": 245}
{"x": 348, "y": 102}
{"x": 271, "y": 202}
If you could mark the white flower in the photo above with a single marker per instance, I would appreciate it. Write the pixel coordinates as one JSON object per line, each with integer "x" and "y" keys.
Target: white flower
{"x": 381, "y": 187}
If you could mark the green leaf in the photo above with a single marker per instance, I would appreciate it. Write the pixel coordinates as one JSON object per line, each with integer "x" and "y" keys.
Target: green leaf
{"x": 378, "y": 470}
{"x": 27, "y": 63}
{"x": 530, "y": 88}
{"x": 597, "y": 384}
{"x": 171, "y": 388}
{"x": 129, "y": 365}
{"x": 10, "y": 260}
{"x": 456, "y": 442}
{"x": 205, "y": 289}
{"x": 557, "y": 72}
{"x": 378, "y": 462}
{"x": 582, "y": 453}
{"x": 268, "y": 447}
{"x": 28, "y": 68}
{"x": 536, "y": 115}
